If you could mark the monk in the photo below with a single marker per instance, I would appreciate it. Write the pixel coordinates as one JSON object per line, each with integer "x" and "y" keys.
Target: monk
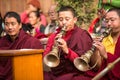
{"x": 15, "y": 38}
{"x": 98, "y": 25}
{"x": 111, "y": 50}
{"x": 74, "y": 43}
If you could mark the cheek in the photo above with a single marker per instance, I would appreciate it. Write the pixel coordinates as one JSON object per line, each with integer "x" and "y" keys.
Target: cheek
{"x": 60, "y": 23}
{"x": 33, "y": 21}
{"x": 5, "y": 28}
{"x": 115, "y": 24}
{"x": 71, "y": 23}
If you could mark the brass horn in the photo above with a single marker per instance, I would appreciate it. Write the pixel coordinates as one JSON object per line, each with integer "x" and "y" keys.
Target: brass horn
{"x": 52, "y": 58}
{"x": 82, "y": 63}
{"x": 109, "y": 67}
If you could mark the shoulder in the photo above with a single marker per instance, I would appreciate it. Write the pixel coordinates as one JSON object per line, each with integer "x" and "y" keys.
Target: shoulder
{"x": 118, "y": 41}
{"x": 48, "y": 25}
{"x": 26, "y": 37}
{"x": 81, "y": 31}
{"x": 23, "y": 14}
{"x": 81, "y": 34}
{"x": 32, "y": 39}
{"x": 33, "y": 42}
{"x": 42, "y": 15}
{"x": 3, "y": 39}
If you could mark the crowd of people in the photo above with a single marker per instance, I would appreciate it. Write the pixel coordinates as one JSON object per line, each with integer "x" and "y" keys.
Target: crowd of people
{"x": 30, "y": 30}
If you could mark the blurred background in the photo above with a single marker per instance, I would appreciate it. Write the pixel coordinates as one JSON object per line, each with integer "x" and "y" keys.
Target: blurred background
{"x": 85, "y": 9}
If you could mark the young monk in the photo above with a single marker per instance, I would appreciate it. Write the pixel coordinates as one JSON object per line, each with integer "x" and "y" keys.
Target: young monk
{"x": 111, "y": 44}
{"x": 15, "y": 38}
{"x": 74, "y": 43}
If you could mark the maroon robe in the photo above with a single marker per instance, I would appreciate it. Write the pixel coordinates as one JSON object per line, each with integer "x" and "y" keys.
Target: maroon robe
{"x": 78, "y": 41}
{"x": 23, "y": 41}
{"x": 113, "y": 74}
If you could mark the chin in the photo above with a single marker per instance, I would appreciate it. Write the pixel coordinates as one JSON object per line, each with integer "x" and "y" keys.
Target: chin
{"x": 11, "y": 34}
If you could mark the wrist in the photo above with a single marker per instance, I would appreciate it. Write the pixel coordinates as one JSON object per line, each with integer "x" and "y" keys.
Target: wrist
{"x": 105, "y": 56}
{"x": 66, "y": 51}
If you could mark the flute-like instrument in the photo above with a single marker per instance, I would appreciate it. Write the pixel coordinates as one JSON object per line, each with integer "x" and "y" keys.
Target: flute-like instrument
{"x": 108, "y": 68}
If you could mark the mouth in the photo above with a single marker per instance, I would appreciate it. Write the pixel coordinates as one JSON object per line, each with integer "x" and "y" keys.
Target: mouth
{"x": 10, "y": 31}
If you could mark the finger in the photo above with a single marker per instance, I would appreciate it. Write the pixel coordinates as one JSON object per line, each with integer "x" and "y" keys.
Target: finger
{"x": 98, "y": 45}
{"x": 60, "y": 41}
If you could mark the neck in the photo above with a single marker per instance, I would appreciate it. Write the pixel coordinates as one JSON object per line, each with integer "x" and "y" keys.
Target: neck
{"x": 13, "y": 37}
{"x": 53, "y": 21}
{"x": 115, "y": 36}
{"x": 37, "y": 24}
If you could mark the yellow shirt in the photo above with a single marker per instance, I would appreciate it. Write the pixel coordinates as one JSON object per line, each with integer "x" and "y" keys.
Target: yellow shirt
{"x": 109, "y": 44}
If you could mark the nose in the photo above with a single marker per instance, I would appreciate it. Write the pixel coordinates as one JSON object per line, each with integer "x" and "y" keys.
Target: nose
{"x": 9, "y": 26}
{"x": 109, "y": 23}
{"x": 64, "y": 22}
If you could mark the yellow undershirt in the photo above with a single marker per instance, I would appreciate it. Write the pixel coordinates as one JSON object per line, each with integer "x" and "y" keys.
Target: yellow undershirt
{"x": 109, "y": 44}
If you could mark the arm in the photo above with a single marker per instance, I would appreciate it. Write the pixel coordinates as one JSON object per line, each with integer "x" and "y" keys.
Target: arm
{"x": 49, "y": 44}
{"x": 79, "y": 45}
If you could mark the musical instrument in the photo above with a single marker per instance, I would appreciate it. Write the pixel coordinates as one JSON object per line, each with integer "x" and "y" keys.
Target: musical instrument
{"x": 52, "y": 58}
{"x": 82, "y": 63}
{"x": 109, "y": 67}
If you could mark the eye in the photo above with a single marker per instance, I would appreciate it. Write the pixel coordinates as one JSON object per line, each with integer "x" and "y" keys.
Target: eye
{"x": 6, "y": 23}
{"x": 112, "y": 20}
{"x": 13, "y": 23}
{"x": 106, "y": 20}
{"x": 60, "y": 19}
{"x": 67, "y": 18}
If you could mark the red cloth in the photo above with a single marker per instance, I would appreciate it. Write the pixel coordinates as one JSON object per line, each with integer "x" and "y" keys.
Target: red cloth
{"x": 113, "y": 74}
{"x": 23, "y": 41}
{"x": 78, "y": 41}
{"x": 92, "y": 25}
{"x": 40, "y": 35}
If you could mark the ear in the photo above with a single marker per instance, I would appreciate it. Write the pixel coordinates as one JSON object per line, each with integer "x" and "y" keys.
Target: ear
{"x": 20, "y": 26}
{"x": 38, "y": 19}
{"x": 75, "y": 19}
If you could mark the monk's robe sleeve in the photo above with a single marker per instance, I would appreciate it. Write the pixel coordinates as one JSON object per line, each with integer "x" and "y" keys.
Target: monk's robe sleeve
{"x": 83, "y": 43}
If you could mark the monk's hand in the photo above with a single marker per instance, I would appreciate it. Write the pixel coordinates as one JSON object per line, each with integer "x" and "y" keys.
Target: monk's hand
{"x": 98, "y": 38}
{"x": 63, "y": 45}
{"x": 101, "y": 49}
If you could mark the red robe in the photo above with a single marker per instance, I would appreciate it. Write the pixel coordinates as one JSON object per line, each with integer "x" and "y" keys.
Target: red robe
{"x": 23, "y": 41}
{"x": 113, "y": 74}
{"x": 78, "y": 41}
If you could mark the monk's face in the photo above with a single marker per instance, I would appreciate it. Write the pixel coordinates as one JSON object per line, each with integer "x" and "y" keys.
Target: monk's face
{"x": 112, "y": 20}
{"x": 66, "y": 18}
{"x": 12, "y": 27}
